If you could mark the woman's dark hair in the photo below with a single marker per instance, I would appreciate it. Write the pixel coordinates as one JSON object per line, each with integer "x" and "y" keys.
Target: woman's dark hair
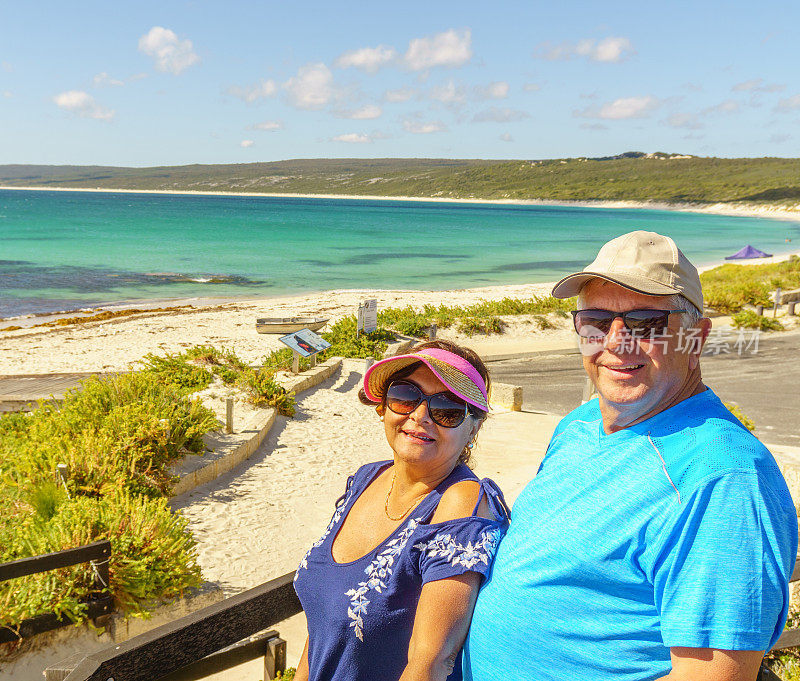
{"x": 466, "y": 353}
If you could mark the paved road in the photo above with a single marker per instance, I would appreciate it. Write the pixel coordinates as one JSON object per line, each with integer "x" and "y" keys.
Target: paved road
{"x": 765, "y": 384}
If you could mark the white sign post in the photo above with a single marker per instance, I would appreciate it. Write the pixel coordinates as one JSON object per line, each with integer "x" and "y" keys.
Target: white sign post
{"x": 777, "y": 300}
{"x": 370, "y": 315}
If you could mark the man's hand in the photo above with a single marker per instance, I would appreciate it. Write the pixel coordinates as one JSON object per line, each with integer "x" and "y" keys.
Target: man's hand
{"x": 711, "y": 664}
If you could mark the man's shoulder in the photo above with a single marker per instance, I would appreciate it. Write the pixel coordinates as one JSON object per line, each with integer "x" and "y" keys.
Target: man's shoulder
{"x": 587, "y": 414}
{"x": 705, "y": 440}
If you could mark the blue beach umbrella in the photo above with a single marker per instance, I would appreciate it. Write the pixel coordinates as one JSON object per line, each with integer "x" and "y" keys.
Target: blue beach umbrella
{"x": 748, "y": 252}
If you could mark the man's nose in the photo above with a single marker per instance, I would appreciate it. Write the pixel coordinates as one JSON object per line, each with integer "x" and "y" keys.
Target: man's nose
{"x": 618, "y": 336}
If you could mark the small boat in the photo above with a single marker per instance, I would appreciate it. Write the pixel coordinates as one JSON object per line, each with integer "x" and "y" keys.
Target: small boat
{"x": 289, "y": 324}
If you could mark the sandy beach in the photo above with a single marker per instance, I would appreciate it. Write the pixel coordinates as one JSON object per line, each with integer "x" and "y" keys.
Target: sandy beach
{"x": 744, "y": 209}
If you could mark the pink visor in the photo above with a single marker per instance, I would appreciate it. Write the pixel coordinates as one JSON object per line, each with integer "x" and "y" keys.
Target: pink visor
{"x": 460, "y": 377}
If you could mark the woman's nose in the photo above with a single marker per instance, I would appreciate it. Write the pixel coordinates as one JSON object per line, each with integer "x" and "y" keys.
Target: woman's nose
{"x": 421, "y": 413}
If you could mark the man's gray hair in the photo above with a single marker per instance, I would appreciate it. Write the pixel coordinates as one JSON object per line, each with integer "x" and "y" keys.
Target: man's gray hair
{"x": 677, "y": 301}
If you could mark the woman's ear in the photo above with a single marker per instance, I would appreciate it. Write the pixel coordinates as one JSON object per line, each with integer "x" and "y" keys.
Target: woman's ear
{"x": 381, "y": 409}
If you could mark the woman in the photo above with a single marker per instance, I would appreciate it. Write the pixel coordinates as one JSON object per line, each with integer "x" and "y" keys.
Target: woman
{"x": 389, "y": 588}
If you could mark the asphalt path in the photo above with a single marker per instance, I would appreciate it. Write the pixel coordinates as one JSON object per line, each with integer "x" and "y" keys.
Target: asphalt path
{"x": 764, "y": 381}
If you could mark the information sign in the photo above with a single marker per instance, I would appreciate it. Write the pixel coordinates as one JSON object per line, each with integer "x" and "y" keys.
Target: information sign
{"x": 305, "y": 342}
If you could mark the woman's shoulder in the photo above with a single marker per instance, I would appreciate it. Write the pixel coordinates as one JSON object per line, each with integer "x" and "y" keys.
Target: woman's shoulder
{"x": 471, "y": 497}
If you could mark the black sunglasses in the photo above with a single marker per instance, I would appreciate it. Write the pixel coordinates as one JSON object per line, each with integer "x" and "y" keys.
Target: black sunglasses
{"x": 403, "y": 397}
{"x": 597, "y": 323}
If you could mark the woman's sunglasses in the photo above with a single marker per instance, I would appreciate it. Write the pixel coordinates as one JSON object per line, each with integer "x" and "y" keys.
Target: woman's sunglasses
{"x": 445, "y": 410}
{"x": 597, "y": 323}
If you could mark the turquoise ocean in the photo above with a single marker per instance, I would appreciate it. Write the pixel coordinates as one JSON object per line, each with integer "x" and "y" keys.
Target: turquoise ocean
{"x": 69, "y": 250}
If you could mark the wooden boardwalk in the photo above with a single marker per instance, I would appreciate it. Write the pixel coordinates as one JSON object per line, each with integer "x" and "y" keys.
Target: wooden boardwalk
{"x": 20, "y": 393}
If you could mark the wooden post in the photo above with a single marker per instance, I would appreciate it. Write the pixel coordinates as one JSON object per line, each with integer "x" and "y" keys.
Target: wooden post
{"x": 275, "y": 658}
{"x": 229, "y": 415}
{"x": 588, "y": 391}
{"x": 790, "y": 310}
{"x": 295, "y": 362}
{"x": 777, "y": 300}
{"x": 313, "y": 359}
{"x": 432, "y": 332}
{"x": 759, "y": 310}
{"x": 368, "y": 362}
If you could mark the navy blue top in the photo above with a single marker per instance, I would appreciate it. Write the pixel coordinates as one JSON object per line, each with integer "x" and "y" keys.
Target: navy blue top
{"x": 360, "y": 614}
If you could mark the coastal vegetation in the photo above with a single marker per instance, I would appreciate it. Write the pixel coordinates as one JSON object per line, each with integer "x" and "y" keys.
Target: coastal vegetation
{"x": 116, "y": 438}
{"x": 632, "y": 176}
{"x": 730, "y": 288}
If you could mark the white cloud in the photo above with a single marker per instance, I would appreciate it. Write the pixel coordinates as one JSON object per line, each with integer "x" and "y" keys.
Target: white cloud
{"x": 270, "y": 126}
{"x": 83, "y": 104}
{"x": 7, "y": 94}
{"x": 422, "y": 127}
{"x": 609, "y": 50}
{"x": 137, "y": 76}
{"x": 623, "y": 108}
{"x": 7, "y": 66}
{"x": 757, "y": 85}
{"x": 171, "y": 53}
{"x": 496, "y": 114}
{"x": 684, "y": 120}
{"x": 531, "y": 87}
{"x": 368, "y": 59}
{"x": 104, "y": 80}
{"x": 496, "y": 90}
{"x": 728, "y": 106}
{"x": 399, "y": 95}
{"x": 311, "y": 88}
{"x": 353, "y": 138}
{"x": 505, "y": 137}
{"x": 789, "y": 104}
{"x": 449, "y": 93}
{"x": 366, "y": 112}
{"x": 451, "y": 49}
{"x": 252, "y": 93}
{"x": 246, "y": 144}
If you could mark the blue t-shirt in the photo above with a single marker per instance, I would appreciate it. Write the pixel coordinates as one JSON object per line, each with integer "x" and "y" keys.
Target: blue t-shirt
{"x": 678, "y": 531}
{"x": 360, "y": 614}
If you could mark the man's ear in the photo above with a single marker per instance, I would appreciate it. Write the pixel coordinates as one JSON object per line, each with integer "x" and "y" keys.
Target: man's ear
{"x": 705, "y": 328}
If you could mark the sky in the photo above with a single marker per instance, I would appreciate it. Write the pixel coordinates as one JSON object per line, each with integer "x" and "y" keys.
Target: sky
{"x": 178, "y": 82}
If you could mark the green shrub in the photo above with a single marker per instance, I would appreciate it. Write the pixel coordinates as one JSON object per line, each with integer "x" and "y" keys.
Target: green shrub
{"x": 728, "y": 288}
{"x": 745, "y": 420}
{"x": 263, "y": 391}
{"x": 345, "y": 343}
{"x": 114, "y": 433}
{"x": 282, "y": 359}
{"x": 478, "y": 318}
{"x": 747, "y": 319}
{"x": 473, "y": 325}
{"x": 153, "y": 556}
{"x": 175, "y": 370}
{"x": 117, "y": 437}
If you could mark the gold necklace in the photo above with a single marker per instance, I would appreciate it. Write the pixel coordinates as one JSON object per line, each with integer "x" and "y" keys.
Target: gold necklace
{"x": 408, "y": 510}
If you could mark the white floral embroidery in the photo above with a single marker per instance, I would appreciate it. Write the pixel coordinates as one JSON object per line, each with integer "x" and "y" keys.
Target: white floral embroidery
{"x": 378, "y": 572}
{"x": 334, "y": 520}
{"x": 444, "y": 546}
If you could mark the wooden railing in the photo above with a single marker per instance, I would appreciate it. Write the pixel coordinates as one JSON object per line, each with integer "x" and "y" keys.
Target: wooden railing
{"x": 219, "y": 637}
{"x": 97, "y": 553}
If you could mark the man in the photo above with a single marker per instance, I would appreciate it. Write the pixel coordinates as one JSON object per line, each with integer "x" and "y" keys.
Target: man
{"x": 657, "y": 539}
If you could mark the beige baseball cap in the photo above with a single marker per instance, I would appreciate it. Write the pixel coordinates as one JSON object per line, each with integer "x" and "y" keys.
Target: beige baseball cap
{"x": 645, "y": 262}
